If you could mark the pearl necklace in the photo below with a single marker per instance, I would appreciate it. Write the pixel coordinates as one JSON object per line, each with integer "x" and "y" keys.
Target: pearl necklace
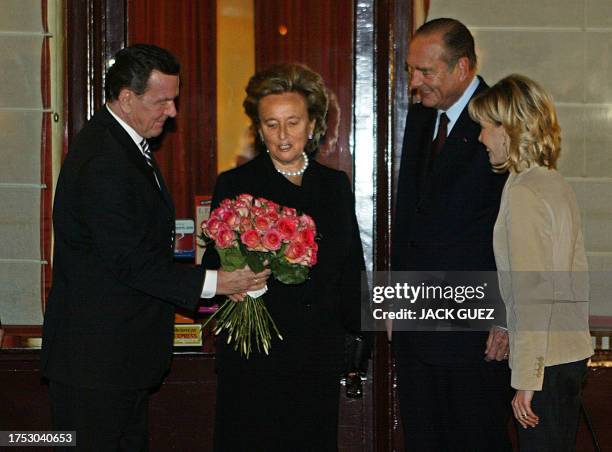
{"x": 298, "y": 172}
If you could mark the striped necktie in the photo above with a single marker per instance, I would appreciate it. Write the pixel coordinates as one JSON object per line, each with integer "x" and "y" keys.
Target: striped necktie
{"x": 146, "y": 152}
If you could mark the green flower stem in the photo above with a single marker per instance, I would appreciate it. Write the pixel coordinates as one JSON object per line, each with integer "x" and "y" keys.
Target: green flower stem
{"x": 245, "y": 321}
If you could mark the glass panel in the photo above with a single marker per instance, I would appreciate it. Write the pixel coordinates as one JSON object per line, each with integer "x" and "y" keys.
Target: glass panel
{"x": 21, "y": 15}
{"x": 20, "y": 147}
{"x": 20, "y": 75}
{"x": 20, "y": 293}
{"x": 19, "y": 223}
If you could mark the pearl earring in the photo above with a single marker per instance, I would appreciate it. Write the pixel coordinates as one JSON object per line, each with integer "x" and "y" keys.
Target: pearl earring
{"x": 310, "y": 136}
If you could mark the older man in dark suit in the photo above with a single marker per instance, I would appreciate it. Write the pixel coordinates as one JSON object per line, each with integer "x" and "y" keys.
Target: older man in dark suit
{"x": 453, "y": 387}
{"x": 107, "y": 336}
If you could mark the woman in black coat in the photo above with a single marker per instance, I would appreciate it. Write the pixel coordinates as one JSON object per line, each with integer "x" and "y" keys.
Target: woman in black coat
{"x": 288, "y": 400}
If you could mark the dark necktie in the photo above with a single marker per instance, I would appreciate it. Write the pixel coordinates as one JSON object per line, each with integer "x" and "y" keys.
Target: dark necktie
{"x": 146, "y": 152}
{"x": 438, "y": 142}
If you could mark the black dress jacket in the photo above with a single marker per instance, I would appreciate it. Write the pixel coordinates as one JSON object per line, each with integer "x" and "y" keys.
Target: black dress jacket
{"x": 109, "y": 318}
{"x": 445, "y": 212}
{"x": 313, "y": 317}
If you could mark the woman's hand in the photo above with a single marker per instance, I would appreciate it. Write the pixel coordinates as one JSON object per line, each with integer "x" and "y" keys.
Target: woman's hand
{"x": 497, "y": 344}
{"x": 521, "y": 405}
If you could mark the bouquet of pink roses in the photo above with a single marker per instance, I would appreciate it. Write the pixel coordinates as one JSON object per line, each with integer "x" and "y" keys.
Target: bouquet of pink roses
{"x": 260, "y": 233}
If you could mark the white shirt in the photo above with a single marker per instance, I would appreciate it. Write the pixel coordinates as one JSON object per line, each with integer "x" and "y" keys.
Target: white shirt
{"x": 209, "y": 288}
{"x": 455, "y": 110}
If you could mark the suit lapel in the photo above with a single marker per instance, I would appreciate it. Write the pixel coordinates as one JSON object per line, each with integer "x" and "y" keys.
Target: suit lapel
{"x": 135, "y": 156}
{"x": 456, "y": 145}
{"x": 424, "y": 146}
{"x": 163, "y": 189}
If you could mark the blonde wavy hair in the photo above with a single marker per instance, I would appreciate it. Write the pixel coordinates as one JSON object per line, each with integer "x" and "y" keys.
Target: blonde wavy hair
{"x": 527, "y": 114}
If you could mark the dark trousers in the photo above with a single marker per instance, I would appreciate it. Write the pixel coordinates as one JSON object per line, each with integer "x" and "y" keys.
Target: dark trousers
{"x": 558, "y": 406}
{"x": 277, "y": 413}
{"x": 104, "y": 419}
{"x": 454, "y": 408}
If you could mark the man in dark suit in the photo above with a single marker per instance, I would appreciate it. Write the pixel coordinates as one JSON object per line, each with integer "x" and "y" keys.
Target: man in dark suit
{"x": 108, "y": 325}
{"x": 453, "y": 387}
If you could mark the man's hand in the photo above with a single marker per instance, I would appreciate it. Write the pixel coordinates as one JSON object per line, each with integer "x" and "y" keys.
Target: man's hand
{"x": 521, "y": 405}
{"x": 497, "y": 344}
{"x": 240, "y": 281}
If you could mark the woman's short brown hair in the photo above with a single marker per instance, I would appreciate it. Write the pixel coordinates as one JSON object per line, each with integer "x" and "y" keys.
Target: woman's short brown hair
{"x": 528, "y": 115}
{"x": 285, "y": 78}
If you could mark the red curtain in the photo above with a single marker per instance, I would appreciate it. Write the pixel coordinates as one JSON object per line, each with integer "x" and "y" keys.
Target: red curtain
{"x": 318, "y": 33}
{"x": 187, "y": 28}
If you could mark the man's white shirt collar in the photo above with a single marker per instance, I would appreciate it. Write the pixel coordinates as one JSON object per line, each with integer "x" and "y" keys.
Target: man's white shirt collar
{"x": 131, "y": 132}
{"x": 455, "y": 110}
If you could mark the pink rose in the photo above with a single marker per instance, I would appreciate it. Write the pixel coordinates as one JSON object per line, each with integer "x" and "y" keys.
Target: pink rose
{"x": 289, "y": 212}
{"x": 257, "y": 211}
{"x": 272, "y": 216}
{"x": 262, "y": 223}
{"x": 306, "y": 221}
{"x": 245, "y": 198}
{"x": 306, "y": 236}
{"x": 295, "y": 252}
{"x": 271, "y": 240}
{"x": 211, "y": 227}
{"x": 229, "y": 217}
{"x": 225, "y": 237}
{"x": 242, "y": 209}
{"x": 272, "y": 207}
{"x": 226, "y": 203}
{"x": 251, "y": 239}
{"x": 261, "y": 202}
{"x": 245, "y": 224}
{"x": 312, "y": 254}
{"x": 287, "y": 227}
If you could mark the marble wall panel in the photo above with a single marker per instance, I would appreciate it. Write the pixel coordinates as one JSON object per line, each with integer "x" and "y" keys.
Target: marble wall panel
{"x": 552, "y": 58}
{"x": 517, "y": 13}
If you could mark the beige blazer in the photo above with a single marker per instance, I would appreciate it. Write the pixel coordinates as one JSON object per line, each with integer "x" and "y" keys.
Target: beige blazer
{"x": 543, "y": 274}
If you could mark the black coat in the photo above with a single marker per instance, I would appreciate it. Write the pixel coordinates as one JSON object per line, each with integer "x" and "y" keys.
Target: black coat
{"x": 288, "y": 400}
{"x": 314, "y": 316}
{"x": 444, "y": 218}
{"x": 109, "y": 319}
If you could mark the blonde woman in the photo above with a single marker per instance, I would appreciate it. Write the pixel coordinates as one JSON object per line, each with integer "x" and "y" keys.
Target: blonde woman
{"x": 541, "y": 262}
